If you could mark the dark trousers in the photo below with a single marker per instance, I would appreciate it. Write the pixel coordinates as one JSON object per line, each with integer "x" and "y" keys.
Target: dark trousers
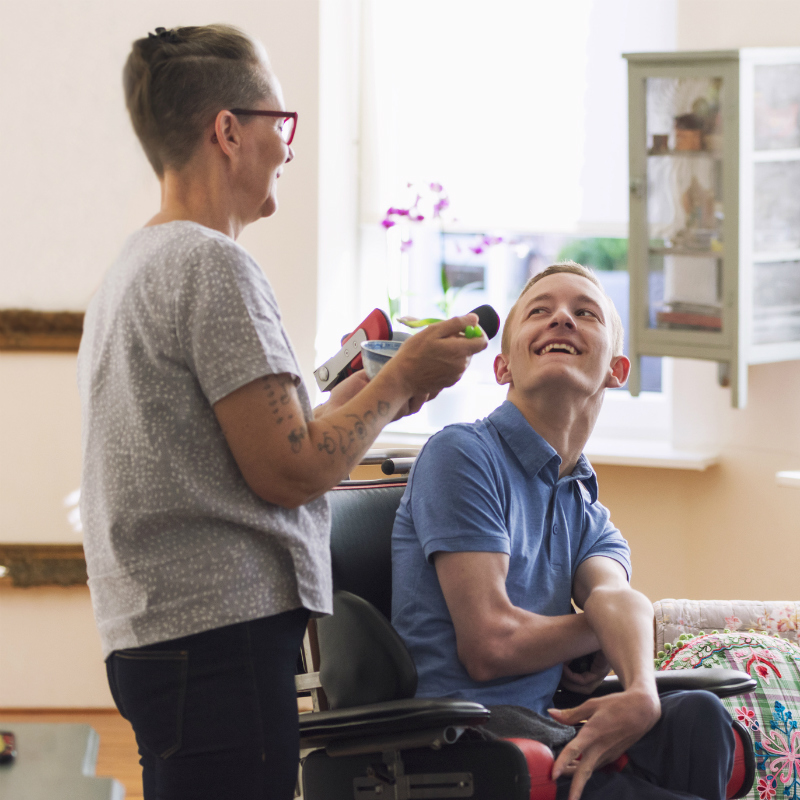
{"x": 215, "y": 713}
{"x": 687, "y": 754}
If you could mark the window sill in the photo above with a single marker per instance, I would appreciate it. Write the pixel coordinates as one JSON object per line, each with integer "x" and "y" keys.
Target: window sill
{"x": 656, "y": 454}
{"x": 788, "y": 478}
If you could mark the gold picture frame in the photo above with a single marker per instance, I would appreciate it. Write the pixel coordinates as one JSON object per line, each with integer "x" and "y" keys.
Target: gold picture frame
{"x": 42, "y": 331}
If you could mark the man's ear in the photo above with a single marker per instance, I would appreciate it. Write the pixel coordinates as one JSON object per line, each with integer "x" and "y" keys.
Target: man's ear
{"x": 502, "y": 372}
{"x": 226, "y": 132}
{"x": 620, "y": 369}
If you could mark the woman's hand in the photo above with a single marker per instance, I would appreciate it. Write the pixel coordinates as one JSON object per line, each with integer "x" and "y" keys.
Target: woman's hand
{"x": 436, "y": 358}
{"x": 342, "y": 392}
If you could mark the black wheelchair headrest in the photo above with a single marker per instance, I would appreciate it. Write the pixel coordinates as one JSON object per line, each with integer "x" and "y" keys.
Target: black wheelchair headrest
{"x": 362, "y": 517}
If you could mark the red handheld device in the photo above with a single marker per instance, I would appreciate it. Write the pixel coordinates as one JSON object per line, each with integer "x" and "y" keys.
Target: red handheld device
{"x": 376, "y": 325}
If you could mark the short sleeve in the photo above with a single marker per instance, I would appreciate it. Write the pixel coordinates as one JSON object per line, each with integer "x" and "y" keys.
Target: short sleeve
{"x": 227, "y": 321}
{"x": 601, "y": 538}
{"x": 455, "y": 496}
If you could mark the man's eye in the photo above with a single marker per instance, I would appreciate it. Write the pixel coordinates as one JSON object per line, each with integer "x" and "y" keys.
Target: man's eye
{"x": 538, "y": 310}
{"x": 582, "y": 312}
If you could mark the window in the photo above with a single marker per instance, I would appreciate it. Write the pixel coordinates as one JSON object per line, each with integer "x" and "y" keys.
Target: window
{"x": 520, "y": 111}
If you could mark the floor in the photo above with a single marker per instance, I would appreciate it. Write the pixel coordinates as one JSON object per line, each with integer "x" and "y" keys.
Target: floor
{"x": 117, "y": 757}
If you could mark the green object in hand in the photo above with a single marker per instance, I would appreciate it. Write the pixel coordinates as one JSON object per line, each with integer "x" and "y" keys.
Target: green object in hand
{"x": 413, "y": 322}
{"x": 471, "y": 331}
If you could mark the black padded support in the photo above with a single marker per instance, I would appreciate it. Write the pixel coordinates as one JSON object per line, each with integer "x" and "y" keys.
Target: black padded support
{"x": 361, "y": 541}
{"x": 721, "y": 682}
{"x": 363, "y": 660}
{"x": 383, "y": 718}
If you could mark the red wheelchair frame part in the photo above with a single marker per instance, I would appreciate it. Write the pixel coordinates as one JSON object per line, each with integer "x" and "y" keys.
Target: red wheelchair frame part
{"x": 539, "y": 758}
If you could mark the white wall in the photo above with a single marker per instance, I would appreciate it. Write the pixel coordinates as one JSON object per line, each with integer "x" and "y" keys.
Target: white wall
{"x": 75, "y": 184}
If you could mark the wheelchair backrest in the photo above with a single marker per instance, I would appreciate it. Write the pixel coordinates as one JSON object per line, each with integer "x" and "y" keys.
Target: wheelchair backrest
{"x": 362, "y": 517}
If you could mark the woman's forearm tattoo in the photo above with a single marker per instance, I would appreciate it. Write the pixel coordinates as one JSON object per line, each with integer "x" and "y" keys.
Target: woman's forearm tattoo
{"x": 343, "y": 438}
{"x": 337, "y": 438}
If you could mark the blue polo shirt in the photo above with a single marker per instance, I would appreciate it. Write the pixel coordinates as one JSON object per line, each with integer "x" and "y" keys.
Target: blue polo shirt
{"x": 493, "y": 486}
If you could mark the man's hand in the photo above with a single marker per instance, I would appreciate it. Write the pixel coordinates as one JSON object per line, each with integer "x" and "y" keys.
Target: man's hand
{"x": 613, "y": 724}
{"x": 586, "y": 682}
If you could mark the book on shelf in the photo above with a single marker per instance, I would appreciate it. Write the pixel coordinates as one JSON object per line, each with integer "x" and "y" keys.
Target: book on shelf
{"x": 676, "y": 319}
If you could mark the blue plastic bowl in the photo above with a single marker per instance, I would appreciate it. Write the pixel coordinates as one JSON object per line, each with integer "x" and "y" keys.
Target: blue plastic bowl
{"x": 375, "y": 353}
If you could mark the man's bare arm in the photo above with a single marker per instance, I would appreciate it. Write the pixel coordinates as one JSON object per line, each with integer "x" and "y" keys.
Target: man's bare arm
{"x": 622, "y": 620}
{"x": 494, "y": 637}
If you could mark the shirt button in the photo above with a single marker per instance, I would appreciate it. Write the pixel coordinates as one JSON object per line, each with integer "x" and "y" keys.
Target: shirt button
{"x": 555, "y": 528}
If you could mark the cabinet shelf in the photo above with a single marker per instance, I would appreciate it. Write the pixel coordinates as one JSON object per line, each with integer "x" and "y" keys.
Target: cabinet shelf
{"x": 773, "y": 257}
{"x": 684, "y": 251}
{"x": 767, "y": 156}
{"x": 715, "y": 154}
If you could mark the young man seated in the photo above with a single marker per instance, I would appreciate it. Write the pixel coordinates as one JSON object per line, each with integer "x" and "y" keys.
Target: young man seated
{"x": 500, "y": 529}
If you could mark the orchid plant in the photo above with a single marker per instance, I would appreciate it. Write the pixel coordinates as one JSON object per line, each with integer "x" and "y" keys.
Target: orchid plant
{"x": 431, "y": 202}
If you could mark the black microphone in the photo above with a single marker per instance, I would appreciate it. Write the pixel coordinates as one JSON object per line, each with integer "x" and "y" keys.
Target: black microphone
{"x": 488, "y": 319}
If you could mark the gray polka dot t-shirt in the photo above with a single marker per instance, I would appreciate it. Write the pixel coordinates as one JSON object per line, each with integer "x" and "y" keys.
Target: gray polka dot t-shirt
{"x": 176, "y": 542}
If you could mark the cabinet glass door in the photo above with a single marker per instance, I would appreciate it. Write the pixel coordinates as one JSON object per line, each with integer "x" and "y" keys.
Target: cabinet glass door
{"x": 684, "y": 203}
{"x": 776, "y": 204}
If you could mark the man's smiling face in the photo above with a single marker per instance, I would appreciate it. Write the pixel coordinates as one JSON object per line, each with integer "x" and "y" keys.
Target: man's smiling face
{"x": 562, "y": 338}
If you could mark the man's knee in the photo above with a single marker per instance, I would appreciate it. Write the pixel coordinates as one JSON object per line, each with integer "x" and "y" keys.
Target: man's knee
{"x": 698, "y": 714}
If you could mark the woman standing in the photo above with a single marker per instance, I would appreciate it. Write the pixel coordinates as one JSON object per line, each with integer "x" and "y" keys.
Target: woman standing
{"x": 205, "y": 468}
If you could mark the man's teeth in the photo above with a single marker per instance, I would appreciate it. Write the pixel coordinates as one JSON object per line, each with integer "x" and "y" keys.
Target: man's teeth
{"x": 566, "y": 348}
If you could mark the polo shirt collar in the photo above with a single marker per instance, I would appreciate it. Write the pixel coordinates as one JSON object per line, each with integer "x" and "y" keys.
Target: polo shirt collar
{"x": 533, "y": 451}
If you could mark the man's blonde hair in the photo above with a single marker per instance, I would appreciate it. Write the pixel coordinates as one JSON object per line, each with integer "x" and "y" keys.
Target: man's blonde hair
{"x": 617, "y": 331}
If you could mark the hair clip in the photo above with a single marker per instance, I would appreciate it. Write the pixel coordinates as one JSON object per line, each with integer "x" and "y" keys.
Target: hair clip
{"x": 165, "y": 35}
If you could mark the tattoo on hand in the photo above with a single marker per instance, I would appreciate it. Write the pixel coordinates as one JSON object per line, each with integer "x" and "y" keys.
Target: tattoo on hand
{"x": 296, "y": 439}
{"x": 383, "y": 408}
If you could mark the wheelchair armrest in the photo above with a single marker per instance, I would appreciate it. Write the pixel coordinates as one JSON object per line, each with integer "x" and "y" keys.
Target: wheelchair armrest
{"x": 379, "y": 720}
{"x": 721, "y": 682}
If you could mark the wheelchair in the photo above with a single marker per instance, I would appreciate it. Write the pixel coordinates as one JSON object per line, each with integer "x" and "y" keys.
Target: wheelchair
{"x": 371, "y": 738}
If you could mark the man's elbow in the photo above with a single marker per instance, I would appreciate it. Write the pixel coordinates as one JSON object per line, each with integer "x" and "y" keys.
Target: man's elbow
{"x": 483, "y": 660}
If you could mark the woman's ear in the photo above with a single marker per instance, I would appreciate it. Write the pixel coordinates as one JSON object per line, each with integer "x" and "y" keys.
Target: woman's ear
{"x": 226, "y": 132}
{"x": 620, "y": 369}
{"x": 502, "y": 372}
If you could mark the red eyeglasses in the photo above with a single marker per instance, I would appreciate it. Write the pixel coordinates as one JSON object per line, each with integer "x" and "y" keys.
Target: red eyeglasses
{"x": 288, "y": 120}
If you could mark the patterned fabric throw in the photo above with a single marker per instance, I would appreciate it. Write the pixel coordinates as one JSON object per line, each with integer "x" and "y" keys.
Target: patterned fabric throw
{"x": 770, "y": 712}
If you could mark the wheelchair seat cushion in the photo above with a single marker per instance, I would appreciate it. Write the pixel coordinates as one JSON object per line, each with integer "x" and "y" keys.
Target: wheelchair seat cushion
{"x": 770, "y": 712}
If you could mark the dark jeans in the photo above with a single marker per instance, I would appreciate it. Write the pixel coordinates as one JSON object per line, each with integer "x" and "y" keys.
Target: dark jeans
{"x": 215, "y": 713}
{"x": 688, "y": 754}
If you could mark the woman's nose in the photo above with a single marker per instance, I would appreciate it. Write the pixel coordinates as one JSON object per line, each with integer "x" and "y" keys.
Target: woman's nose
{"x": 290, "y": 156}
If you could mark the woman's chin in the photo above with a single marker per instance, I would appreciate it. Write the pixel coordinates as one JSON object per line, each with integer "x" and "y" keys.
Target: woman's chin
{"x": 270, "y": 207}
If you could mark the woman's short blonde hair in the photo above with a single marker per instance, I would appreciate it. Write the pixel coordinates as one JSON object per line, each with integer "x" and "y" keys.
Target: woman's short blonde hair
{"x": 617, "y": 331}
{"x": 176, "y": 81}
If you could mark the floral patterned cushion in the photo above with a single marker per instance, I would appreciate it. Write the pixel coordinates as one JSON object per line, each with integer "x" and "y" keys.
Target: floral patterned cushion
{"x": 770, "y": 712}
